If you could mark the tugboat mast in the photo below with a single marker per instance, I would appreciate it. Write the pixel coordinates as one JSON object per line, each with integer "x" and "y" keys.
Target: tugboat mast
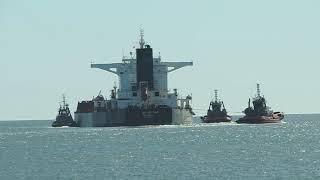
{"x": 216, "y": 95}
{"x": 258, "y": 90}
{"x": 64, "y": 100}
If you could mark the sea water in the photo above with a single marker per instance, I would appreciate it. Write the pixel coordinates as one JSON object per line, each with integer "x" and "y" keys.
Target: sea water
{"x": 34, "y": 150}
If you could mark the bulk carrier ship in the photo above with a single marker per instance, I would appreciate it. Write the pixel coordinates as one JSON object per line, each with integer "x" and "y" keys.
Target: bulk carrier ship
{"x": 143, "y": 97}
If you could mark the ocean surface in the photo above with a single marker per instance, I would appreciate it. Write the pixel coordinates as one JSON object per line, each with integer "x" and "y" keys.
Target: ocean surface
{"x": 34, "y": 150}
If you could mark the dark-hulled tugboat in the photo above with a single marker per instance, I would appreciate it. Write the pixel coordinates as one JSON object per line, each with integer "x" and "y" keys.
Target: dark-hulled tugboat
{"x": 260, "y": 112}
{"x": 216, "y": 112}
{"x": 64, "y": 117}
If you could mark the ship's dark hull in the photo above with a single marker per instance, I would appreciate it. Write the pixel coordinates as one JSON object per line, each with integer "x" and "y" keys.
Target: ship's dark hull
{"x": 134, "y": 117}
{"x": 138, "y": 117}
{"x": 275, "y": 118}
{"x": 210, "y": 119}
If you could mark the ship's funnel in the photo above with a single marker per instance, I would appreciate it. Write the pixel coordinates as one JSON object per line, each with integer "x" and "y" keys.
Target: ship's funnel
{"x": 145, "y": 66}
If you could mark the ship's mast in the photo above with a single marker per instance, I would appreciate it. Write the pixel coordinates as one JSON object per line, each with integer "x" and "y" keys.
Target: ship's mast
{"x": 258, "y": 90}
{"x": 141, "y": 42}
{"x": 216, "y": 95}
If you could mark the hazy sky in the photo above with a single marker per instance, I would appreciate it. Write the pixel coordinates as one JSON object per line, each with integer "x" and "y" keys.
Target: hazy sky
{"x": 46, "y": 48}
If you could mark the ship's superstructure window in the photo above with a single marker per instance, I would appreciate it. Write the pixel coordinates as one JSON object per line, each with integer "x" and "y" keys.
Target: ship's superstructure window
{"x": 134, "y": 88}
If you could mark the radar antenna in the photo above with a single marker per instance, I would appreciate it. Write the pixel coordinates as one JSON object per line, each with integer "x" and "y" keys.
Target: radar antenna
{"x": 141, "y": 42}
{"x": 216, "y": 95}
{"x": 258, "y": 90}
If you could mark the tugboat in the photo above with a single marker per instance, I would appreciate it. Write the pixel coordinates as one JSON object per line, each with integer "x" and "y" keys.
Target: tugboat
{"x": 64, "y": 117}
{"x": 216, "y": 112}
{"x": 260, "y": 112}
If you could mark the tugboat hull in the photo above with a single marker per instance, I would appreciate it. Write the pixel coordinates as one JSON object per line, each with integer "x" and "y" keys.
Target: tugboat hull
{"x": 57, "y": 124}
{"x": 207, "y": 119}
{"x": 275, "y": 118}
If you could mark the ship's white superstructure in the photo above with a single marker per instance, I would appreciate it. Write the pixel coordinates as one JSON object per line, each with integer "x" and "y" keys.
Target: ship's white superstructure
{"x": 127, "y": 92}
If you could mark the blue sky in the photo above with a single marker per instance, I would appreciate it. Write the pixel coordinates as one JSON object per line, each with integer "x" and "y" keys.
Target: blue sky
{"x": 46, "y": 48}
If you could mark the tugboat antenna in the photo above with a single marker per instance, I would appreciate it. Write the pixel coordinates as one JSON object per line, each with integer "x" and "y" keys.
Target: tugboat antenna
{"x": 258, "y": 90}
{"x": 141, "y": 42}
{"x": 216, "y": 95}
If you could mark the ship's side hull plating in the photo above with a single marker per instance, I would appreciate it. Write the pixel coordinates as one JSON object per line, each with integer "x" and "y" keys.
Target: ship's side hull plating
{"x": 133, "y": 117}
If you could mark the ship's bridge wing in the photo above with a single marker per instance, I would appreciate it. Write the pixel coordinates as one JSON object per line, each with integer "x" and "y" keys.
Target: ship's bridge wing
{"x": 114, "y": 66}
{"x": 176, "y": 65}
{"x": 108, "y": 67}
